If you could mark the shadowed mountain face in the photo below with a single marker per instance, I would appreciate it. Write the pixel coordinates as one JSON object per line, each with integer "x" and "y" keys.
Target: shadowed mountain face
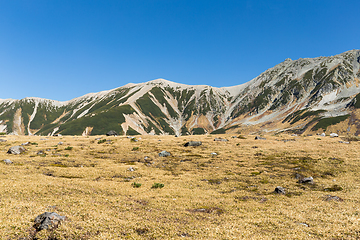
{"x": 304, "y": 95}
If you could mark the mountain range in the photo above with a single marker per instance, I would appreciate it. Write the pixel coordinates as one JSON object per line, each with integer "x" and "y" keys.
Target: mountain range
{"x": 300, "y": 96}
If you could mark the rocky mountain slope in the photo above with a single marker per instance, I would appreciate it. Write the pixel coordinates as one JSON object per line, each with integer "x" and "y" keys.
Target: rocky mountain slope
{"x": 303, "y": 95}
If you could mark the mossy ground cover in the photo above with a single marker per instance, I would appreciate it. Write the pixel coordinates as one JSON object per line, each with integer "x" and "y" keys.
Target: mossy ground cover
{"x": 203, "y": 196}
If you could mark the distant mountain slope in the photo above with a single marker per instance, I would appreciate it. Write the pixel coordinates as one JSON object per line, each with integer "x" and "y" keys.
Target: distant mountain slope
{"x": 304, "y": 95}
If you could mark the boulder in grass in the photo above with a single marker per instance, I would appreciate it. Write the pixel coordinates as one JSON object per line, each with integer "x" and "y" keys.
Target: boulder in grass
{"x": 259, "y": 138}
{"x": 308, "y": 180}
{"x": 334, "y": 135}
{"x": 16, "y": 150}
{"x": 112, "y": 133}
{"x": 7, "y": 161}
{"x": 220, "y": 140}
{"x": 48, "y": 221}
{"x": 164, "y": 154}
{"x": 279, "y": 190}
{"x": 193, "y": 144}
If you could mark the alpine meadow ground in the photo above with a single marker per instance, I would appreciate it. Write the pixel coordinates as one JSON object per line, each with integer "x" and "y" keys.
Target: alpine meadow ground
{"x": 119, "y": 188}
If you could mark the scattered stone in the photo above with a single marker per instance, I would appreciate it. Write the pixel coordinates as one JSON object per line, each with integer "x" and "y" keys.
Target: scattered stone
{"x": 334, "y": 135}
{"x": 164, "y": 154}
{"x": 294, "y": 135}
{"x": 25, "y": 144}
{"x": 41, "y": 152}
{"x": 3, "y": 140}
{"x": 60, "y": 143}
{"x": 97, "y": 139}
{"x": 221, "y": 140}
{"x": 48, "y": 221}
{"x": 333, "y": 198}
{"x": 16, "y": 150}
{"x": 259, "y": 138}
{"x": 304, "y": 224}
{"x": 112, "y": 133}
{"x": 213, "y": 154}
{"x": 308, "y": 180}
{"x": 193, "y": 143}
{"x": 322, "y": 135}
{"x": 131, "y": 169}
{"x": 280, "y": 190}
{"x": 344, "y": 142}
{"x": 233, "y": 136}
{"x": 7, "y": 161}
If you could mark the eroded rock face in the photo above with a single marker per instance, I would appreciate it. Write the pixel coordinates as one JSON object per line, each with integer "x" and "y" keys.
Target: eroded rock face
{"x": 48, "y": 220}
{"x": 16, "y": 150}
{"x": 192, "y": 144}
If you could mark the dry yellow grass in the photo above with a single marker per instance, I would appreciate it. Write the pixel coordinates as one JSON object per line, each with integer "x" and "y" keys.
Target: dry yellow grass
{"x": 228, "y": 196}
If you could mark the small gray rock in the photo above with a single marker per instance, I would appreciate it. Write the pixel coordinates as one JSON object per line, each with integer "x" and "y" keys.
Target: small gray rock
{"x": 322, "y": 135}
{"x": 3, "y": 140}
{"x": 280, "y": 190}
{"x": 344, "y": 142}
{"x": 131, "y": 169}
{"x": 334, "y": 135}
{"x": 308, "y": 180}
{"x": 7, "y": 161}
{"x": 16, "y": 150}
{"x": 164, "y": 154}
{"x": 259, "y": 138}
{"x": 193, "y": 143}
{"x": 213, "y": 154}
{"x": 111, "y": 133}
{"x": 220, "y": 140}
{"x": 25, "y": 144}
{"x": 60, "y": 143}
{"x": 47, "y": 220}
{"x": 333, "y": 198}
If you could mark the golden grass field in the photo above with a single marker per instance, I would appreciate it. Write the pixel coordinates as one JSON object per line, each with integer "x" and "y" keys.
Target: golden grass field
{"x": 228, "y": 196}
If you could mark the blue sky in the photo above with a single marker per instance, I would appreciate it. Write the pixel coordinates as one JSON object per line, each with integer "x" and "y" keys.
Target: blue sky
{"x": 62, "y": 49}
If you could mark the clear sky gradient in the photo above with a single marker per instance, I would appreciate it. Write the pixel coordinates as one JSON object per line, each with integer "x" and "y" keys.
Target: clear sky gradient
{"x": 62, "y": 49}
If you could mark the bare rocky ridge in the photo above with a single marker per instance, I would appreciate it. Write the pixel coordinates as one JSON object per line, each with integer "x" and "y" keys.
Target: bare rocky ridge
{"x": 303, "y": 95}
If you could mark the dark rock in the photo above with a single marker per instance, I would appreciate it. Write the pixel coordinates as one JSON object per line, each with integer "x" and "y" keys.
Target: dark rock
{"x": 16, "y": 150}
{"x": 280, "y": 190}
{"x": 221, "y": 140}
{"x": 193, "y": 143}
{"x": 112, "y": 133}
{"x": 259, "y": 138}
{"x": 47, "y": 220}
{"x": 7, "y": 161}
{"x": 308, "y": 180}
{"x": 164, "y": 154}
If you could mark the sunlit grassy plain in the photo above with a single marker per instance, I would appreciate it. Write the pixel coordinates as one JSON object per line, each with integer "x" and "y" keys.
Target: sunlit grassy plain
{"x": 228, "y": 196}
